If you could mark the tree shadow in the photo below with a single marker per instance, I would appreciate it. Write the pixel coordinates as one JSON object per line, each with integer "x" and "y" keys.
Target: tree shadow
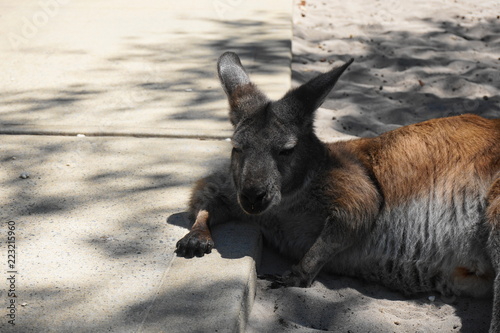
{"x": 159, "y": 83}
{"x": 93, "y": 209}
{"x": 403, "y": 77}
{"x": 141, "y": 233}
{"x": 331, "y": 303}
{"x": 92, "y": 213}
{"x": 398, "y": 78}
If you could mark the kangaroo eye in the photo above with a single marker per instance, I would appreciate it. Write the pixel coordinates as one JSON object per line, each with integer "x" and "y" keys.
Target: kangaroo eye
{"x": 237, "y": 150}
{"x": 286, "y": 152}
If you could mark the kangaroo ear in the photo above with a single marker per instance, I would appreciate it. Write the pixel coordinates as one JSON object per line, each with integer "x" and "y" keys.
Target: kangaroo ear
{"x": 244, "y": 97}
{"x": 309, "y": 96}
{"x": 231, "y": 73}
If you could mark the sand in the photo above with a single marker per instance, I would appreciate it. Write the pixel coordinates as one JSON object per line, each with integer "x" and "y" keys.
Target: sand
{"x": 413, "y": 61}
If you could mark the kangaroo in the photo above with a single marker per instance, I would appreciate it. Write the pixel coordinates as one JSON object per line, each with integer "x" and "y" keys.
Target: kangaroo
{"x": 416, "y": 209}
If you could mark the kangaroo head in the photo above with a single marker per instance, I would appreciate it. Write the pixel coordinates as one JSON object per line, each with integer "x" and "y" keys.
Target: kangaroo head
{"x": 274, "y": 145}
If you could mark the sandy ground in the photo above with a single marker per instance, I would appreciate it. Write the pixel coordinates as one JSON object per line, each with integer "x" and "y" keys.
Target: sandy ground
{"x": 413, "y": 61}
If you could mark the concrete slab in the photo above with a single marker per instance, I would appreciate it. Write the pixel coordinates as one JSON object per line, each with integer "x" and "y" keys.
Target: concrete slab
{"x": 94, "y": 251}
{"x": 214, "y": 293}
{"x": 122, "y": 65}
{"x": 92, "y": 96}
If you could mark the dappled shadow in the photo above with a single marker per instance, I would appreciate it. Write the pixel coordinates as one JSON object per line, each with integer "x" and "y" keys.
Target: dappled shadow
{"x": 92, "y": 213}
{"x": 335, "y": 303}
{"x": 199, "y": 306}
{"x": 85, "y": 194}
{"x": 399, "y": 77}
{"x": 189, "y": 308}
{"x": 91, "y": 220}
{"x": 402, "y": 77}
{"x": 165, "y": 82}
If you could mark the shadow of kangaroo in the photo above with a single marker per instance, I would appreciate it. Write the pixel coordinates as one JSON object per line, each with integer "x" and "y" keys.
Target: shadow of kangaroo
{"x": 416, "y": 209}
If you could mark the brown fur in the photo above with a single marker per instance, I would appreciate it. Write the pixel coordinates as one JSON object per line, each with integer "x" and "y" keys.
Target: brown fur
{"x": 351, "y": 191}
{"x": 457, "y": 152}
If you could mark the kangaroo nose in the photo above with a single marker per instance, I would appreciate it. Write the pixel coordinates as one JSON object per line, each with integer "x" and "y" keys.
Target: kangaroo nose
{"x": 253, "y": 200}
{"x": 253, "y": 195}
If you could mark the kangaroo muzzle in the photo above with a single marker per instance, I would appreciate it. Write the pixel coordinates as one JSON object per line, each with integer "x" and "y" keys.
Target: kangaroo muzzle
{"x": 254, "y": 200}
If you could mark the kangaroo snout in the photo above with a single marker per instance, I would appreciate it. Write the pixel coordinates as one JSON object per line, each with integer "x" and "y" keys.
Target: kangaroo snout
{"x": 254, "y": 200}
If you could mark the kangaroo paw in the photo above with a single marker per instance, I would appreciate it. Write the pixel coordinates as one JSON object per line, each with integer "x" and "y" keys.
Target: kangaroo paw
{"x": 295, "y": 278}
{"x": 288, "y": 279}
{"x": 276, "y": 280}
{"x": 195, "y": 243}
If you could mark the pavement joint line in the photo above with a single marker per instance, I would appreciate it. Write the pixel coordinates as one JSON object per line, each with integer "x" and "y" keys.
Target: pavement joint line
{"x": 126, "y": 135}
{"x": 157, "y": 293}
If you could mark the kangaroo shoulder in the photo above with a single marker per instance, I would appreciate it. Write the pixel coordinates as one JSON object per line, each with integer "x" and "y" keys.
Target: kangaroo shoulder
{"x": 350, "y": 186}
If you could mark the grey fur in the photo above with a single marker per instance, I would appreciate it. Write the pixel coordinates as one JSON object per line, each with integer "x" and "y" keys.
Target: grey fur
{"x": 277, "y": 178}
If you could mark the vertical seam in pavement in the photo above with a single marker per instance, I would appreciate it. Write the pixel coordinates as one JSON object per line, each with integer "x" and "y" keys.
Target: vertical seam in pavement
{"x": 163, "y": 278}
